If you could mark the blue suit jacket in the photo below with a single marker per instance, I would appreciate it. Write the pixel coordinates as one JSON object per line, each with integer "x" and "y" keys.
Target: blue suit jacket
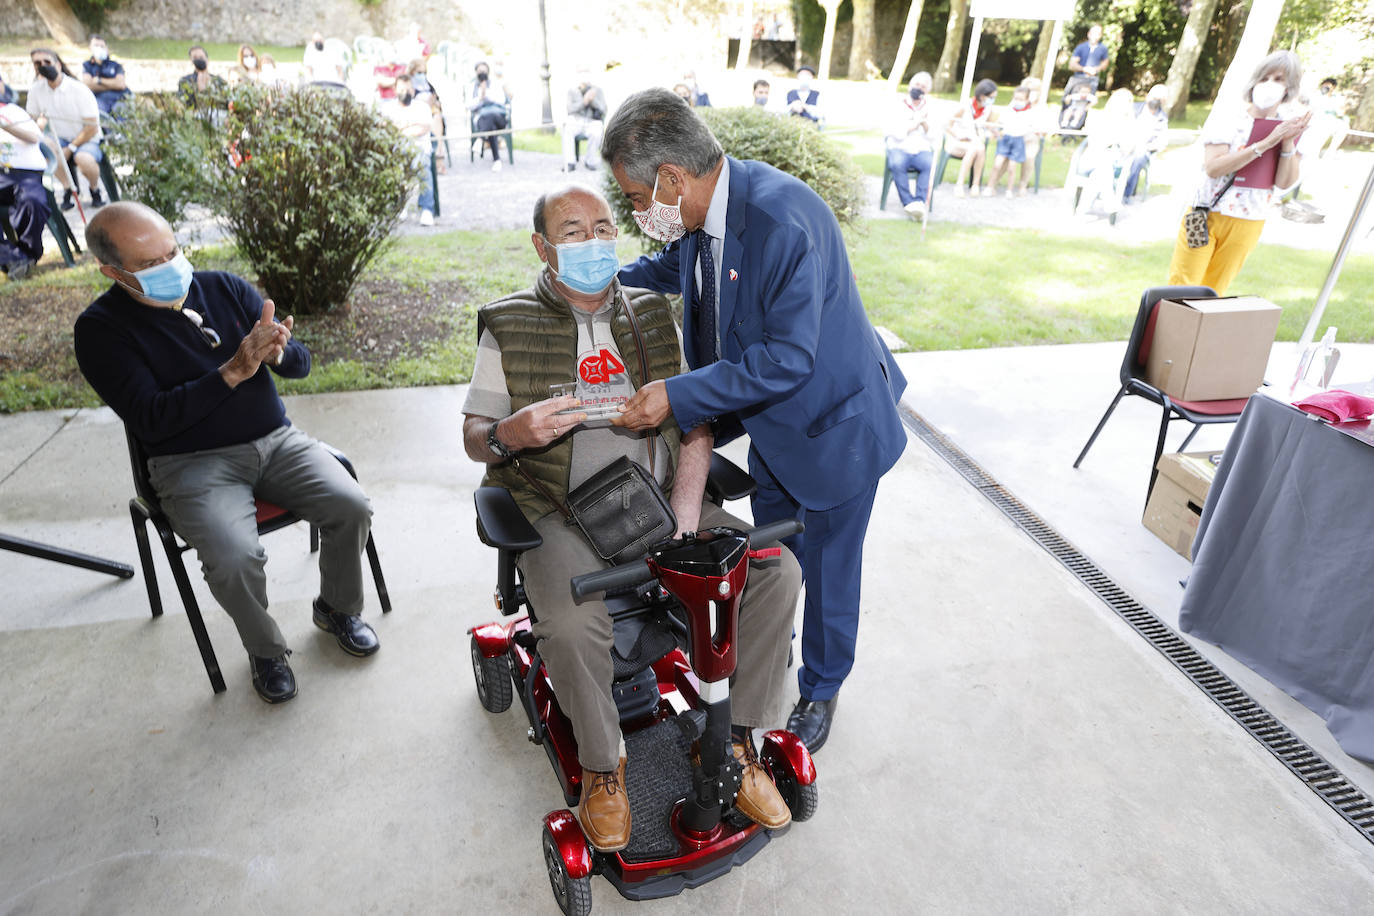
{"x": 801, "y": 366}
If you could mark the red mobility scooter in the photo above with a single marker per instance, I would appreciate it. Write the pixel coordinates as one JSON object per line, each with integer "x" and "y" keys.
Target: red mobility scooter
{"x": 675, "y": 614}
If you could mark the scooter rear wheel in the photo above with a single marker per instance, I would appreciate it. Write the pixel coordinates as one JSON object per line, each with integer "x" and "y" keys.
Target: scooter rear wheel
{"x": 492, "y": 675}
{"x": 574, "y": 895}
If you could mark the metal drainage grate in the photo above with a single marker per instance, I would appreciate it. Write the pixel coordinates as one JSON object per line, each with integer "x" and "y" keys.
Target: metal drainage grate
{"x": 1321, "y": 777}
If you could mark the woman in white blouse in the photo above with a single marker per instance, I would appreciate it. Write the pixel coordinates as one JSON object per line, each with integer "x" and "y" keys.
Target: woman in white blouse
{"x": 1237, "y": 212}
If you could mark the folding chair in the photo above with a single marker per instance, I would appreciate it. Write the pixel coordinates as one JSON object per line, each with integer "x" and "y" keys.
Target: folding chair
{"x": 145, "y": 508}
{"x": 1132, "y": 375}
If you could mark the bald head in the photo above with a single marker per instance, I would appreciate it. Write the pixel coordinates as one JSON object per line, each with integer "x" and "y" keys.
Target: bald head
{"x": 570, "y": 207}
{"x": 119, "y": 233}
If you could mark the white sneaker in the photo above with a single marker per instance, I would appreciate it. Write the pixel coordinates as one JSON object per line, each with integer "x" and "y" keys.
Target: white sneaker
{"x": 916, "y": 208}
{"x": 496, "y": 166}
{"x": 426, "y": 218}
{"x": 959, "y": 190}
{"x": 989, "y": 191}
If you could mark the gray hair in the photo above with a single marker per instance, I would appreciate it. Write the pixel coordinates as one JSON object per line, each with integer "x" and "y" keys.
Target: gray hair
{"x": 1286, "y": 61}
{"x": 654, "y": 127}
{"x": 100, "y": 244}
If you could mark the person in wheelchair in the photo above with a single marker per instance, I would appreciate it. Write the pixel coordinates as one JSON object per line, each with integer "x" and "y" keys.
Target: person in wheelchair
{"x": 576, "y": 325}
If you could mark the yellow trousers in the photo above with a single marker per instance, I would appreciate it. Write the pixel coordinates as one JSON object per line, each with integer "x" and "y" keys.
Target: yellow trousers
{"x": 1229, "y": 243}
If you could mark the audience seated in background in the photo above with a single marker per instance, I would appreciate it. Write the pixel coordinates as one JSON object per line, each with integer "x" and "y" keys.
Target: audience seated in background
{"x": 909, "y": 145}
{"x": 697, "y": 99}
{"x": 321, "y": 63}
{"x": 6, "y": 92}
{"x": 804, "y": 102}
{"x": 412, "y": 44}
{"x": 487, "y": 100}
{"x": 414, "y": 118}
{"x": 64, "y": 108}
{"x": 249, "y": 68}
{"x": 966, "y": 135}
{"x": 1152, "y": 134}
{"x": 104, "y": 76}
{"x": 586, "y": 118}
{"x": 1041, "y": 123}
{"x": 183, "y": 358}
{"x": 1013, "y": 123}
{"x": 385, "y": 75}
{"x": 200, "y": 80}
{"x": 21, "y": 190}
{"x": 761, "y": 90}
{"x": 1105, "y": 161}
{"x": 1329, "y": 120}
{"x": 684, "y": 92}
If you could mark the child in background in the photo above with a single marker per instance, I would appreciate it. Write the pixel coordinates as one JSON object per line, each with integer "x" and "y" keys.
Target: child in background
{"x": 1014, "y": 124}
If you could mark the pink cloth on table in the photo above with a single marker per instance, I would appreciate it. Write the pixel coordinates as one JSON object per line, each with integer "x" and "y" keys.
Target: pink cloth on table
{"x": 1337, "y": 405}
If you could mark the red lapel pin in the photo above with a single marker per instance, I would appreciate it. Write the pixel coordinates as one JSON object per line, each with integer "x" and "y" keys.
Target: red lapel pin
{"x": 733, "y": 275}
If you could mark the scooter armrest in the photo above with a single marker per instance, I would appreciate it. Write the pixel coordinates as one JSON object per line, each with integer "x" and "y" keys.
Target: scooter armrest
{"x": 726, "y": 480}
{"x": 500, "y": 523}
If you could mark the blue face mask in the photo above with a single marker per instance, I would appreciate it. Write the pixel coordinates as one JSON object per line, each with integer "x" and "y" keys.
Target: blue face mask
{"x": 588, "y": 267}
{"x": 168, "y": 282}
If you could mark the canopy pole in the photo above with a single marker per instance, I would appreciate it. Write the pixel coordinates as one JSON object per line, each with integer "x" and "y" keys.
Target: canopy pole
{"x": 972, "y": 58}
{"x": 1309, "y": 332}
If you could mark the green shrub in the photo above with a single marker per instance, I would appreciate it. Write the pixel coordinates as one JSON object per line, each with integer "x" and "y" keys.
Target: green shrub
{"x": 312, "y": 192}
{"x": 792, "y": 145}
{"x": 169, "y": 149}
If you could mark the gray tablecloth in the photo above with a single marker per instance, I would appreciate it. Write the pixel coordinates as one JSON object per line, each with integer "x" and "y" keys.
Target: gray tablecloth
{"x": 1283, "y": 569}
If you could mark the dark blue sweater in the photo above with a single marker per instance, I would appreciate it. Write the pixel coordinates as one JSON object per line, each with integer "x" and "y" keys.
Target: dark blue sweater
{"x": 157, "y": 371}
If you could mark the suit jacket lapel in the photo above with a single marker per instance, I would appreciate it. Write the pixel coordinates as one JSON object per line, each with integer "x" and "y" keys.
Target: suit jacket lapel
{"x": 733, "y": 249}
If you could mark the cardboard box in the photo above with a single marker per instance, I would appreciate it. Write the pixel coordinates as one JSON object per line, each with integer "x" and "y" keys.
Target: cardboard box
{"x": 1211, "y": 349}
{"x": 1176, "y": 502}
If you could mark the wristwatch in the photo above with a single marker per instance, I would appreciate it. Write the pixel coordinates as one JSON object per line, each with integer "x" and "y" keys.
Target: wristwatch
{"x": 496, "y": 445}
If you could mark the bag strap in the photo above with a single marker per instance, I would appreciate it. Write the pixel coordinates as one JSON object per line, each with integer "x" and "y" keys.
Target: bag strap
{"x": 544, "y": 491}
{"x": 1224, "y": 188}
{"x": 643, "y": 365}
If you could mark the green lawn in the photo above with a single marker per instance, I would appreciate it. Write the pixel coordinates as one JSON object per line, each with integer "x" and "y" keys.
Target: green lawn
{"x": 961, "y": 287}
{"x": 966, "y": 287}
{"x": 124, "y": 49}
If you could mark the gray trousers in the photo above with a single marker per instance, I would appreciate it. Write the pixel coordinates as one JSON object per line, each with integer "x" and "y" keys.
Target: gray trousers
{"x": 209, "y": 498}
{"x": 575, "y": 639}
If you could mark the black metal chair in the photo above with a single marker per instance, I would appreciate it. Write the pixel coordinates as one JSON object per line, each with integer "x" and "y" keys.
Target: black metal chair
{"x": 145, "y": 508}
{"x": 1132, "y": 375}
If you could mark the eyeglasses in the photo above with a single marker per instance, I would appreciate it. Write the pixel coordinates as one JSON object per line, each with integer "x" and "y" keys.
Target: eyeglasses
{"x": 603, "y": 232}
{"x": 210, "y": 334}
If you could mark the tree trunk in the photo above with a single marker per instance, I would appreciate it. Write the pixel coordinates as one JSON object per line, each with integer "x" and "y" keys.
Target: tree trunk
{"x": 1363, "y": 119}
{"x": 61, "y": 22}
{"x": 1042, "y": 51}
{"x": 746, "y": 38}
{"x": 896, "y": 78}
{"x": 863, "y": 44}
{"x": 832, "y": 9}
{"x": 946, "y": 74}
{"x": 1180, "y": 79}
{"x": 1254, "y": 45}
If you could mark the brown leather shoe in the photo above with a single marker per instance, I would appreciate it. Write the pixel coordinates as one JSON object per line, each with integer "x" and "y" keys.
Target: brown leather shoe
{"x": 605, "y": 809}
{"x": 758, "y": 799}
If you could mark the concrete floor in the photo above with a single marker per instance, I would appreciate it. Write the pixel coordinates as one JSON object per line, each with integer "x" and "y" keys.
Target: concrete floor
{"x": 1004, "y": 744}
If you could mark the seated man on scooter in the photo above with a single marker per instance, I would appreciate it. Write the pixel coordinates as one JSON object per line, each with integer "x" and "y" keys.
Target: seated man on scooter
{"x": 573, "y": 327}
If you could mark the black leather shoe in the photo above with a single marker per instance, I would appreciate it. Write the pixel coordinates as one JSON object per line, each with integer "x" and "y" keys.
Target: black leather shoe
{"x": 810, "y": 721}
{"x": 355, "y": 637}
{"x": 67, "y": 202}
{"x": 272, "y": 678}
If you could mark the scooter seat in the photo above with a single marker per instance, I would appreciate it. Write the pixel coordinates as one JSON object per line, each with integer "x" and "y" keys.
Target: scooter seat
{"x": 639, "y": 642}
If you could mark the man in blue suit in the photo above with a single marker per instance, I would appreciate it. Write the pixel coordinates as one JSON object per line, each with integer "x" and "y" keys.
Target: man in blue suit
{"x": 780, "y": 348}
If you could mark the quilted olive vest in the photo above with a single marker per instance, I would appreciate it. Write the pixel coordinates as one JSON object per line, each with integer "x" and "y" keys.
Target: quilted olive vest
{"x": 537, "y": 335}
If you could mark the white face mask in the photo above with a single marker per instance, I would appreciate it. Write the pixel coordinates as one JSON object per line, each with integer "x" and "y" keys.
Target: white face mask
{"x": 1267, "y": 94}
{"x": 661, "y": 221}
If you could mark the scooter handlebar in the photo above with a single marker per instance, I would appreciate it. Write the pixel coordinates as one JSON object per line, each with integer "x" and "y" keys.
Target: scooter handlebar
{"x": 635, "y": 571}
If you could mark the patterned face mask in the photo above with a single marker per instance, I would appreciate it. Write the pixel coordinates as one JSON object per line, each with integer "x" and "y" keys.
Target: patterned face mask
{"x": 661, "y": 221}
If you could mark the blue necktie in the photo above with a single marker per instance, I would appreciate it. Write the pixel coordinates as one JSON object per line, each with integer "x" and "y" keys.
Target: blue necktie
{"x": 706, "y": 301}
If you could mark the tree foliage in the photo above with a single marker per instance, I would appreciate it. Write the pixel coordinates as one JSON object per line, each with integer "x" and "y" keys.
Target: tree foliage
{"x": 309, "y": 182}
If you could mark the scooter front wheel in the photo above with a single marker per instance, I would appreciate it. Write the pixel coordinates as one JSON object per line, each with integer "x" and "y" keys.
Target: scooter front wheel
{"x": 492, "y": 675}
{"x": 574, "y": 895}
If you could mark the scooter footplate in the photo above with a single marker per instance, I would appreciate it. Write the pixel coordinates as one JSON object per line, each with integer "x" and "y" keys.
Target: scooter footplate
{"x": 658, "y": 774}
